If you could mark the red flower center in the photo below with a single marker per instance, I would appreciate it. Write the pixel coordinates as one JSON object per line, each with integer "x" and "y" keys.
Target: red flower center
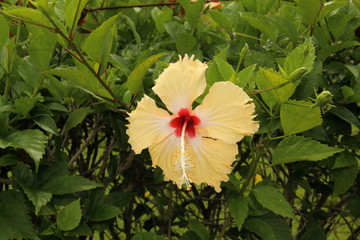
{"x": 183, "y": 118}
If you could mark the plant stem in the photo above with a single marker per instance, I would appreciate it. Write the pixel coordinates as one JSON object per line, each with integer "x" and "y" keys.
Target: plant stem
{"x": 269, "y": 89}
{"x": 7, "y": 87}
{"x": 134, "y": 6}
{"x": 76, "y": 49}
{"x": 72, "y": 30}
{"x": 28, "y": 21}
{"x": 141, "y": 6}
{"x": 86, "y": 63}
{"x": 248, "y": 36}
{"x": 252, "y": 169}
{"x": 86, "y": 143}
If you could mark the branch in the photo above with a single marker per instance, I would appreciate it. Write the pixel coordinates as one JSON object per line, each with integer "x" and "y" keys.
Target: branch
{"x": 86, "y": 143}
{"x": 5, "y": 181}
{"x": 133, "y": 6}
{"x": 142, "y": 6}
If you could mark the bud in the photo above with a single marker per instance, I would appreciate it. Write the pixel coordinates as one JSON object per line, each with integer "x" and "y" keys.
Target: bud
{"x": 324, "y": 98}
{"x": 243, "y": 53}
{"x": 297, "y": 74}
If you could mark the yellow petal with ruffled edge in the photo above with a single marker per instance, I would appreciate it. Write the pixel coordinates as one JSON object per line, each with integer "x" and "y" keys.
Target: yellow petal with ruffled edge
{"x": 164, "y": 155}
{"x": 148, "y": 125}
{"x": 181, "y": 83}
{"x": 226, "y": 113}
{"x": 213, "y": 159}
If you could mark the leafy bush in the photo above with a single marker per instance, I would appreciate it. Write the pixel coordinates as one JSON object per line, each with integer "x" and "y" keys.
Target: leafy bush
{"x": 71, "y": 71}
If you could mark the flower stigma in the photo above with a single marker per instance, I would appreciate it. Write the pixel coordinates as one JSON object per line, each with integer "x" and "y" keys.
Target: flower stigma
{"x": 184, "y": 126}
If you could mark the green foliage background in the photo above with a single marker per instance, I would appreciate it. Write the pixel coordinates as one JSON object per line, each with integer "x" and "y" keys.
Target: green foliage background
{"x": 72, "y": 69}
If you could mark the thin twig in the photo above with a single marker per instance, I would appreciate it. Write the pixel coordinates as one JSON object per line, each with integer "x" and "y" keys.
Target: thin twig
{"x": 141, "y": 6}
{"x": 225, "y": 226}
{"x": 91, "y": 136}
{"x": 269, "y": 89}
{"x": 5, "y": 180}
{"x": 133, "y": 6}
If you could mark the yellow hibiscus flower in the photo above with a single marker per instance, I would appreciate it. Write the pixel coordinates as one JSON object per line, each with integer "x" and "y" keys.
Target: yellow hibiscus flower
{"x": 192, "y": 145}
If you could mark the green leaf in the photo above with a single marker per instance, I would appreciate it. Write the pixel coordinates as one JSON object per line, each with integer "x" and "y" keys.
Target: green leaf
{"x": 328, "y": 7}
{"x": 72, "y": 10}
{"x": 42, "y": 4}
{"x": 41, "y": 50}
{"x": 38, "y": 197}
{"x": 302, "y": 56}
{"x": 174, "y": 29}
{"x": 47, "y": 123}
{"x": 81, "y": 79}
{"x": 296, "y": 148}
{"x": 76, "y": 117}
{"x": 244, "y": 76}
{"x": 190, "y": 235}
{"x": 298, "y": 116}
{"x": 199, "y": 228}
{"x": 346, "y": 115}
{"x": 220, "y": 70}
{"x": 354, "y": 203}
{"x": 161, "y": 17}
{"x": 69, "y": 216}
{"x": 309, "y": 10}
{"x": 238, "y": 207}
{"x": 329, "y": 50}
{"x": 24, "y": 105}
{"x": 314, "y": 233}
{"x": 30, "y": 72}
{"x": 134, "y": 82}
{"x": 103, "y": 212}
{"x": 104, "y": 34}
{"x": 345, "y": 159}
{"x": 261, "y": 23}
{"x": 68, "y": 184}
{"x": 270, "y": 198}
{"x": 14, "y": 220}
{"x": 267, "y": 79}
{"x": 4, "y": 33}
{"x": 185, "y": 43}
{"x": 133, "y": 29}
{"x": 120, "y": 199}
{"x": 285, "y": 26}
{"x": 221, "y": 19}
{"x": 30, "y": 14}
{"x": 32, "y": 141}
{"x": 8, "y": 160}
{"x": 344, "y": 178}
{"x": 147, "y": 236}
{"x": 269, "y": 227}
{"x": 81, "y": 230}
{"x": 193, "y": 11}
{"x": 261, "y": 7}
{"x": 56, "y": 106}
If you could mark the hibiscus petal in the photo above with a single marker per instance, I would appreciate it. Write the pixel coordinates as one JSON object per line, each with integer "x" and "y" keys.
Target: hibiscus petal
{"x": 213, "y": 159}
{"x": 181, "y": 83}
{"x": 163, "y": 155}
{"x": 148, "y": 125}
{"x": 226, "y": 114}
